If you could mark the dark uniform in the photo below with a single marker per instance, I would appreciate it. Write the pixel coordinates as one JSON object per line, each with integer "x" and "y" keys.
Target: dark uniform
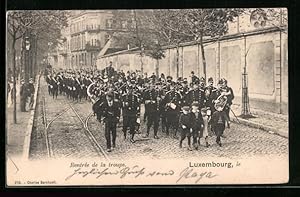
{"x": 153, "y": 103}
{"x": 23, "y": 95}
{"x": 218, "y": 120}
{"x": 172, "y": 103}
{"x": 110, "y": 110}
{"x": 208, "y": 96}
{"x": 196, "y": 95}
{"x": 131, "y": 112}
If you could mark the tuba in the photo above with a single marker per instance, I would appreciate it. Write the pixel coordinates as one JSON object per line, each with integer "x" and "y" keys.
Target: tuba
{"x": 220, "y": 102}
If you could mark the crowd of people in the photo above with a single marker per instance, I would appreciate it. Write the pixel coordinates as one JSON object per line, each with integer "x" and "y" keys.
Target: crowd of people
{"x": 185, "y": 109}
{"x": 26, "y": 93}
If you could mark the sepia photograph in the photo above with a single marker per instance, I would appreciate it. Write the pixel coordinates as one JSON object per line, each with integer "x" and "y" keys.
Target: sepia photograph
{"x": 147, "y": 97}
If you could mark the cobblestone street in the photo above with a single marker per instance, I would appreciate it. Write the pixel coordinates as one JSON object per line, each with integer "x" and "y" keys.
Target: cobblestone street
{"x": 68, "y": 138}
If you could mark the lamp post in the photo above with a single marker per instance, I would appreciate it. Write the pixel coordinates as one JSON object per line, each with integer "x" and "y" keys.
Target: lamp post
{"x": 27, "y": 61}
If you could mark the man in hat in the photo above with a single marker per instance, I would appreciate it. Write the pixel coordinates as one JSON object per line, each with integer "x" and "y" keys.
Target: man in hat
{"x": 153, "y": 103}
{"x": 227, "y": 91}
{"x": 23, "y": 95}
{"x": 197, "y": 94}
{"x": 131, "y": 113}
{"x": 110, "y": 110}
{"x": 31, "y": 92}
{"x": 208, "y": 93}
{"x": 217, "y": 122}
{"x": 109, "y": 70}
{"x": 194, "y": 78}
{"x": 172, "y": 102}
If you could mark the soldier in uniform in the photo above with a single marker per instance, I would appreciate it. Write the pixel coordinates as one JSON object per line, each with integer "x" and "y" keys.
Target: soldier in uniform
{"x": 196, "y": 95}
{"x": 208, "y": 93}
{"x": 110, "y": 110}
{"x": 194, "y": 78}
{"x": 172, "y": 102}
{"x": 131, "y": 113}
{"x": 153, "y": 101}
{"x": 230, "y": 96}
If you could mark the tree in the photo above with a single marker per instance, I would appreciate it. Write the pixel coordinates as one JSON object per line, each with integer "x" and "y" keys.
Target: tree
{"x": 32, "y": 24}
{"x": 198, "y": 23}
{"x": 165, "y": 23}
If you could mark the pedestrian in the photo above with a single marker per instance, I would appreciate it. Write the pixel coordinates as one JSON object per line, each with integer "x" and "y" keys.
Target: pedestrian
{"x": 218, "y": 120}
{"x": 185, "y": 125}
{"x": 23, "y": 96}
{"x": 31, "y": 93}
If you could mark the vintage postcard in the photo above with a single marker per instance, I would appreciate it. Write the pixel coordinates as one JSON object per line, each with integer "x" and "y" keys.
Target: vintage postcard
{"x": 147, "y": 97}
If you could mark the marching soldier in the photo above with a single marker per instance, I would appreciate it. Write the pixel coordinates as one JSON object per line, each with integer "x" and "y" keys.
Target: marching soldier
{"x": 227, "y": 91}
{"x": 194, "y": 78}
{"x": 208, "y": 93}
{"x": 172, "y": 103}
{"x": 131, "y": 113}
{"x": 110, "y": 110}
{"x": 153, "y": 103}
{"x": 196, "y": 95}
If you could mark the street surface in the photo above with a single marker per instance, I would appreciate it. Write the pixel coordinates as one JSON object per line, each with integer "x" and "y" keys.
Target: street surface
{"x": 68, "y": 137}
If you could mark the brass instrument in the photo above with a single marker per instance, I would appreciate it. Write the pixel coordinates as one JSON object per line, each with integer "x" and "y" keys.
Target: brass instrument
{"x": 220, "y": 102}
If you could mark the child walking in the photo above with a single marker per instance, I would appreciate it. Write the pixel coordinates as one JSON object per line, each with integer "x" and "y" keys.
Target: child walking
{"x": 218, "y": 120}
{"x": 185, "y": 124}
{"x": 204, "y": 130}
{"x": 197, "y": 121}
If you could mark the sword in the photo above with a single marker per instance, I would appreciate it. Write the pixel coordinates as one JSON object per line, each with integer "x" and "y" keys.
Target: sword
{"x": 235, "y": 116}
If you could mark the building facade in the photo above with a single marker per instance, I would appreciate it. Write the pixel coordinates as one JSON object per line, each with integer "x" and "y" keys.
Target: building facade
{"x": 85, "y": 36}
{"x": 261, "y": 50}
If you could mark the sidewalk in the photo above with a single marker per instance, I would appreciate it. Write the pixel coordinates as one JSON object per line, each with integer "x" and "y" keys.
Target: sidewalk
{"x": 267, "y": 121}
{"x": 18, "y": 134}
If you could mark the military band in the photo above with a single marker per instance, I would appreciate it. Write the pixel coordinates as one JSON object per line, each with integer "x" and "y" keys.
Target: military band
{"x": 170, "y": 106}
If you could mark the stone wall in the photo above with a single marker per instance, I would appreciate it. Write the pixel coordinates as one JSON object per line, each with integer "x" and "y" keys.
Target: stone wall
{"x": 264, "y": 53}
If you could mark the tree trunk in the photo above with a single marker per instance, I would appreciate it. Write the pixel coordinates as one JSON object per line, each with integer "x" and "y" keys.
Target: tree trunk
{"x": 203, "y": 56}
{"x": 14, "y": 77}
{"x": 157, "y": 68}
{"x": 142, "y": 63}
{"x": 177, "y": 61}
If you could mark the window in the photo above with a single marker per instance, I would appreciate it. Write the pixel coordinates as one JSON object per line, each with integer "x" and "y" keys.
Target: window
{"x": 108, "y": 23}
{"x": 124, "y": 24}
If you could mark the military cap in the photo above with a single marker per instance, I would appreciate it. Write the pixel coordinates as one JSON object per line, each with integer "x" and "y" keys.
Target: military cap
{"x": 202, "y": 79}
{"x": 224, "y": 81}
{"x": 110, "y": 94}
{"x": 169, "y": 77}
{"x": 196, "y": 104}
{"x": 220, "y": 81}
{"x": 210, "y": 79}
{"x": 186, "y": 108}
